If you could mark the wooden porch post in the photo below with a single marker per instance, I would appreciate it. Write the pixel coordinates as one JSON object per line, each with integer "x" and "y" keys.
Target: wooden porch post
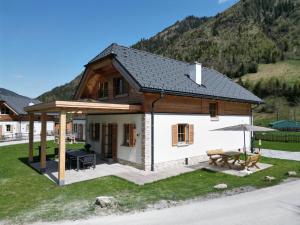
{"x": 43, "y": 142}
{"x": 31, "y": 131}
{"x": 62, "y": 148}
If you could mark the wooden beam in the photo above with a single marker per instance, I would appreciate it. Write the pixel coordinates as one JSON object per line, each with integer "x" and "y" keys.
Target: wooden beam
{"x": 43, "y": 142}
{"x": 62, "y": 148}
{"x": 31, "y": 135}
{"x": 57, "y": 106}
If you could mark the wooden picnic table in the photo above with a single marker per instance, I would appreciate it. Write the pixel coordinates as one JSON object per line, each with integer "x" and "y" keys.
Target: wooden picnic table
{"x": 228, "y": 155}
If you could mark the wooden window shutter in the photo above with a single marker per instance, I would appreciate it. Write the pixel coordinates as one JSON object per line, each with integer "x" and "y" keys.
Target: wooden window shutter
{"x": 103, "y": 139}
{"x": 91, "y": 131}
{"x": 94, "y": 131}
{"x": 191, "y": 134}
{"x": 114, "y": 134}
{"x": 174, "y": 134}
{"x": 132, "y": 135}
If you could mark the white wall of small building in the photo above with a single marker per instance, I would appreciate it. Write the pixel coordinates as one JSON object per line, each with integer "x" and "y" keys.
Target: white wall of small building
{"x": 131, "y": 154}
{"x": 23, "y": 126}
{"x": 204, "y": 138}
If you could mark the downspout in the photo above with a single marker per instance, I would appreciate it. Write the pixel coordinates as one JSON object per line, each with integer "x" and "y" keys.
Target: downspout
{"x": 152, "y": 128}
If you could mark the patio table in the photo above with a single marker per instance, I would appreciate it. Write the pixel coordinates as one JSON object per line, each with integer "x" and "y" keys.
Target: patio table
{"x": 75, "y": 154}
{"x": 226, "y": 156}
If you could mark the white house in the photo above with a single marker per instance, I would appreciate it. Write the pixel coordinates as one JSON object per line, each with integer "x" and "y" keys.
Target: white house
{"x": 14, "y": 120}
{"x": 151, "y": 112}
{"x": 181, "y": 104}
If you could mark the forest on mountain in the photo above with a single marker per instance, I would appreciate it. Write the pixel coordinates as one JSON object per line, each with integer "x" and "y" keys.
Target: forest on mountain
{"x": 235, "y": 42}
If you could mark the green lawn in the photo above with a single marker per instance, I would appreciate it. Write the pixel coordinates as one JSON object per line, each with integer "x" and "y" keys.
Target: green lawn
{"x": 284, "y": 146}
{"x": 26, "y": 195}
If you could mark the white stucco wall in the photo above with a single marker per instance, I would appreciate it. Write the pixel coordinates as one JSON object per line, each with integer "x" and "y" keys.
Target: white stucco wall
{"x": 204, "y": 138}
{"x": 131, "y": 154}
{"x": 20, "y": 127}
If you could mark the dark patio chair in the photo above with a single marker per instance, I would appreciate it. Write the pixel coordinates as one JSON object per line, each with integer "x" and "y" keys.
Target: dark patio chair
{"x": 88, "y": 161}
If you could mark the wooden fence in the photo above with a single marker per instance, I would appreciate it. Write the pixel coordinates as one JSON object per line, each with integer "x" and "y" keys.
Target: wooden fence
{"x": 292, "y": 137}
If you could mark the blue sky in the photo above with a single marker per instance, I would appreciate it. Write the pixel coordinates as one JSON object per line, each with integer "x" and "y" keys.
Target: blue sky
{"x": 44, "y": 44}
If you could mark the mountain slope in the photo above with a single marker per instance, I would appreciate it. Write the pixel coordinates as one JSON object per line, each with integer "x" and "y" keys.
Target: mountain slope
{"x": 63, "y": 92}
{"x": 234, "y": 42}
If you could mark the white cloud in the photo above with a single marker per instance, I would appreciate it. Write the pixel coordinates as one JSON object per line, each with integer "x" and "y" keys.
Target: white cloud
{"x": 222, "y": 1}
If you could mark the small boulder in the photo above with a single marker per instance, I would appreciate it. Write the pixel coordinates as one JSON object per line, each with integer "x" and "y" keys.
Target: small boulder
{"x": 220, "y": 186}
{"x": 106, "y": 202}
{"x": 269, "y": 178}
{"x": 292, "y": 173}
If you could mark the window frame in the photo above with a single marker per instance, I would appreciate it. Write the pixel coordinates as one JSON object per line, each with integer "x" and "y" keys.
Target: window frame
{"x": 182, "y": 133}
{"x": 213, "y": 113}
{"x": 129, "y": 135}
{"x": 121, "y": 87}
{"x": 8, "y": 126}
{"x": 126, "y": 135}
{"x": 4, "y": 111}
{"x": 103, "y": 90}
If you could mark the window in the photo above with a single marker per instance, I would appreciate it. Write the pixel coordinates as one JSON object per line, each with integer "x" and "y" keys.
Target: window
{"x": 120, "y": 86}
{"x": 94, "y": 131}
{"x": 103, "y": 90}
{"x": 129, "y": 135}
{"x": 182, "y": 134}
{"x": 213, "y": 109}
{"x": 4, "y": 110}
{"x": 8, "y": 128}
{"x": 27, "y": 128}
{"x": 75, "y": 128}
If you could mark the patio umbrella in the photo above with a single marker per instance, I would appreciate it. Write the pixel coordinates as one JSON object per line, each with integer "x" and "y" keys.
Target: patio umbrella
{"x": 244, "y": 128}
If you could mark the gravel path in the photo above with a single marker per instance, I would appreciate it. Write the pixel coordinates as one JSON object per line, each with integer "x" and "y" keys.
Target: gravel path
{"x": 281, "y": 154}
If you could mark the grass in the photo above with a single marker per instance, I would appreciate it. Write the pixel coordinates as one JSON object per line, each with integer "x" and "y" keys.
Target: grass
{"x": 284, "y": 146}
{"x": 287, "y": 70}
{"x": 27, "y": 196}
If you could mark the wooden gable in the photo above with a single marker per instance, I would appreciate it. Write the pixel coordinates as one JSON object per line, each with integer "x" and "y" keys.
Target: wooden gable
{"x": 105, "y": 71}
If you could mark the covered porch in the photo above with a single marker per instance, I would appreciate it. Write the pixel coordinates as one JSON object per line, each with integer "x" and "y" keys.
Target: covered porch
{"x": 62, "y": 108}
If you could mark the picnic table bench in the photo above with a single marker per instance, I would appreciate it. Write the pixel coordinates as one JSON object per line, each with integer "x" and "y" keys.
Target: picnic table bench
{"x": 219, "y": 155}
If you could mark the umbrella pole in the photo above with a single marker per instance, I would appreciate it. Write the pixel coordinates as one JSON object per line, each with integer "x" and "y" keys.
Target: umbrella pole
{"x": 245, "y": 145}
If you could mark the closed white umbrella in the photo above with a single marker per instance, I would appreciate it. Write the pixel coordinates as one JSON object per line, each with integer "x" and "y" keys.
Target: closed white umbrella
{"x": 244, "y": 128}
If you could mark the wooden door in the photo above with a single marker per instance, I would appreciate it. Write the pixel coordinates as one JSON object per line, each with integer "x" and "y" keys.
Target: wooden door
{"x": 112, "y": 141}
{"x": 0, "y": 132}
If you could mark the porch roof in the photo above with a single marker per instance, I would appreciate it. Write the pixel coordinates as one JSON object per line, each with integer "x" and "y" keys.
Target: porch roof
{"x": 82, "y": 107}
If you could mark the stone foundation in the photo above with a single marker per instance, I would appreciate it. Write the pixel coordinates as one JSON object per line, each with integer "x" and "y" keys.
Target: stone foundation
{"x": 181, "y": 162}
{"x": 133, "y": 164}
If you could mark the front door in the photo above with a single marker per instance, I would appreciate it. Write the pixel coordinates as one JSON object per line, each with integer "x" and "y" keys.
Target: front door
{"x": 109, "y": 141}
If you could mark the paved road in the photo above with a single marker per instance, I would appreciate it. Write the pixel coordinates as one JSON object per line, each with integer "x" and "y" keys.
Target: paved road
{"x": 281, "y": 154}
{"x": 275, "y": 206}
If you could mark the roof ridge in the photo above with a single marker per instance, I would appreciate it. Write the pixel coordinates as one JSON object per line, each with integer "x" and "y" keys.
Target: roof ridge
{"x": 110, "y": 46}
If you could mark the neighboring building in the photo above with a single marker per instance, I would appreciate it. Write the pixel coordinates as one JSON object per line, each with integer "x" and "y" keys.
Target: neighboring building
{"x": 14, "y": 120}
{"x": 184, "y": 101}
{"x": 79, "y": 127}
{"x": 286, "y": 125}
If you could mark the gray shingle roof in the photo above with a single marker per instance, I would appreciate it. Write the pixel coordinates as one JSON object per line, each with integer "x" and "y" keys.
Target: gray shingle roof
{"x": 15, "y": 101}
{"x": 154, "y": 72}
